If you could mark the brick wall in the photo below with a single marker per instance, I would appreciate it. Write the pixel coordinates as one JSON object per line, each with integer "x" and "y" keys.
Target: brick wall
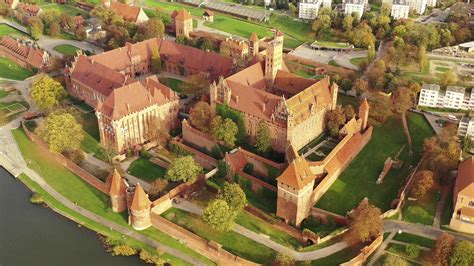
{"x": 203, "y": 159}
{"x": 197, "y": 137}
{"x": 365, "y": 252}
{"x": 257, "y": 181}
{"x": 77, "y": 170}
{"x": 160, "y": 162}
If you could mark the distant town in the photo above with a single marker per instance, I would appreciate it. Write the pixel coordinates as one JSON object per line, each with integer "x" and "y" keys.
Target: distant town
{"x": 242, "y": 132}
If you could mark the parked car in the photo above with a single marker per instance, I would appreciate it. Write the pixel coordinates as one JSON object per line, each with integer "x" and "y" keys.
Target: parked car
{"x": 452, "y": 118}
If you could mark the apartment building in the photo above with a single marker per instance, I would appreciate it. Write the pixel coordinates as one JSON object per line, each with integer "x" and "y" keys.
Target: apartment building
{"x": 417, "y": 6}
{"x": 466, "y": 127}
{"x": 453, "y": 97}
{"x": 309, "y": 9}
{"x": 400, "y": 9}
{"x": 354, "y": 6}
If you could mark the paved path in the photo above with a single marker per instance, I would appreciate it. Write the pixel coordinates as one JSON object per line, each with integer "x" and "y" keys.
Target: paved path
{"x": 441, "y": 205}
{"x": 341, "y": 58}
{"x": 421, "y": 230}
{"x": 381, "y": 249}
{"x": 265, "y": 240}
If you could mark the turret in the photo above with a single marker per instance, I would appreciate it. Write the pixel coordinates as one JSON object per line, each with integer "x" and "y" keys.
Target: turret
{"x": 364, "y": 114}
{"x": 140, "y": 209}
{"x": 117, "y": 191}
{"x": 334, "y": 90}
{"x": 254, "y": 43}
{"x": 274, "y": 57}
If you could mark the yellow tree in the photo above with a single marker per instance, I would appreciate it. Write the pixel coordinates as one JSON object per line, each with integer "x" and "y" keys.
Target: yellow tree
{"x": 47, "y": 92}
{"x": 61, "y": 132}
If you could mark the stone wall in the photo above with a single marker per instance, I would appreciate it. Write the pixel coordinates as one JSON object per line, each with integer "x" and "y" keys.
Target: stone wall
{"x": 197, "y": 137}
{"x": 207, "y": 248}
{"x": 203, "y": 159}
{"x": 365, "y": 252}
{"x": 77, "y": 170}
{"x": 256, "y": 183}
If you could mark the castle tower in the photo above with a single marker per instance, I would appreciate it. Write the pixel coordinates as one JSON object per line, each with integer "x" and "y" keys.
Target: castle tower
{"x": 140, "y": 209}
{"x": 254, "y": 43}
{"x": 295, "y": 186}
{"x": 274, "y": 57}
{"x": 364, "y": 114}
{"x": 117, "y": 191}
{"x": 334, "y": 91}
{"x": 183, "y": 22}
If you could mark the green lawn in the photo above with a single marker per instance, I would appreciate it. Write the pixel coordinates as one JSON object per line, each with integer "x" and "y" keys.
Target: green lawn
{"x": 358, "y": 180}
{"x": 339, "y": 257}
{"x": 72, "y": 11}
{"x": 319, "y": 227}
{"x": 260, "y": 226}
{"x": 146, "y": 170}
{"x": 419, "y": 240}
{"x": 76, "y": 190}
{"x": 333, "y": 62}
{"x": 10, "y": 70}
{"x": 172, "y": 83}
{"x": 91, "y": 142}
{"x": 3, "y": 94}
{"x": 357, "y": 60}
{"x": 67, "y": 49}
{"x": 442, "y": 69}
{"x": 6, "y": 30}
{"x": 97, "y": 227}
{"x": 343, "y": 99}
{"x": 399, "y": 249}
{"x": 230, "y": 241}
{"x": 423, "y": 210}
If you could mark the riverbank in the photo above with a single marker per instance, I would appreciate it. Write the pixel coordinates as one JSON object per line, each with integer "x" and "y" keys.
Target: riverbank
{"x": 113, "y": 235}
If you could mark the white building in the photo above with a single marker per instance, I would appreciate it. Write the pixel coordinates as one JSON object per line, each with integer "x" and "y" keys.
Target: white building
{"x": 466, "y": 127}
{"x": 418, "y": 6}
{"x": 354, "y": 6}
{"x": 327, "y": 3}
{"x": 431, "y": 3}
{"x": 454, "y": 97}
{"x": 400, "y": 9}
{"x": 308, "y": 9}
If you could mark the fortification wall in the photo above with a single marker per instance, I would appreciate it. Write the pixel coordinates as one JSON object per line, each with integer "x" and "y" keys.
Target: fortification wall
{"x": 197, "y": 137}
{"x": 365, "y": 252}
{"x": 203, "y": 159}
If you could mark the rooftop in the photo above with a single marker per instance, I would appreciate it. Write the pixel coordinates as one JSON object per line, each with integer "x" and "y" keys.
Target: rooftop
{"x": 465, "y": 179}
{"x": 431, "y": 87}
{"x": 457, "y": 89}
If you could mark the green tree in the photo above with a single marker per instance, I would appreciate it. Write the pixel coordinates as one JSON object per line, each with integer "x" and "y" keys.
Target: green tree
{"x": 155, "y": 61}
{"x": 219, "y": 215}
{"x": 347, "y": 22}
{"x": 448, "y": 78}
{"x": 443, "y": 248}
{"x": 200, "y": 116}
{"x": 183, "y": 169}
{"x": 412, "y": 250}
{"x": 334, "y": 120}
{"x": 423, "y": 182}
{"x": 196, "y": 84}
{"x": 225, "y": 130}
{"x": 47, "y": 92}
{"x": 36, "y": 28}
{"x": 362, "y": 36}
{"x": 206, "y": 45}
{"x": 321, "y": 24}
{"x": 263, "y": 140}
{"x": 365, "y": 223}
{"x": 463, "y": 254}
{"x": 61, "y": 132}
{"x": 234, "y": 196}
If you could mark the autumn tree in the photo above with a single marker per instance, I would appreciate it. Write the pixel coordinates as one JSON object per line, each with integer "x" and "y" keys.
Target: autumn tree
{"x": 123, "y": 250}
{"x": 225, "y": 130}
{"x": 155, "y": 61}
{"x": 380, "y": 108}
{"x": 349, "y": 112}
{"x": 196, "y": 84}
{"x": 392, "y": 260}
{"x": 219, "y": 215}
{"x": 442, "y": 152}
{"x": 183, "y": 169}
{"x": 157, "y": 187}
{"x": 80, "y": 33}
{"x": 360, "y": 86}
{"x": 47, "y": 92}
{"x": 54, "y": 30}
{"x": 401, "y": 100}
{"x": 200, "y": 116}
{"x": 334, "y": 120}
{"x": 282, "y": 259}
{"x": 448, "y": 78}
{"x": 151, "y": 258}
{"x": 365, "y": 223}
{"x": 152, "y": 28}
{"x": 423, "y": 182}
{"x": 463, "y": 254}
{"x": 362, "y": 36}
{"x": 376, "y": 74}
{"x": 423, "y": 58}
{"x": 61, "y": 132}
{"x": 443, "y": 248}
{"x": 322, "y": 22}
{"x": 234, "y": 196}
{"x": 347, "y": 22}
{"x": 156, "y": 131}
{"x": 263, "y": 140}
{"x": 36, "y": 28}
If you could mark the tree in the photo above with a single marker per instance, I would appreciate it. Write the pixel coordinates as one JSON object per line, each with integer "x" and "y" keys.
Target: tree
{"x": 147, "y": 257}
{"x": 155, "y": 61}
{"x": 347, "y": 22}
{"x": 442, "y": 152}
{"x": 234, "y": 196}
{"x": 349, "y": 112}
{"x": 152, "y": 28}
{"x": 61, "y": 132}
{"x": 157, "y": 131}
{"x": 225, "y": 130}
{"x": 219, "y": 215}
{"x": 448, "y": 78}
{"x": 196, "y": 84}
{"x": 183, "y": 169}
{"x": 282, "y": 259}
{"x": 334, "y": 120}
{"x": 423, "y": 183}
{"x": 200, "y": 116}
{"x": 380, "y": 108}
{"x": 392, "y": 260}
{"x": 123, "y": 250}
{"x": 401, "y": 100}
{"x": 365, "y": 223}
{"x": 412, "y": 250}
{"x": 36, "y": 28}
{"x": 158, "y": 186}
{"x": 443, "y": 248}
{"x": 376, "y": 74}
{"x": 206, "y": 45}
{"x": 263, "y": 140}
{"x": 321, "y": 24}
{"x": 463, "y": 254}
{"x": 54, "y": 30}
{"x": 223, "y": 169}
{"x": 360, "y": 86}
{"x": 80, "y": 33}
{"x": 423, "y": 58}
{"x": 362, "y": 36}
{"x": 47, "y": 92}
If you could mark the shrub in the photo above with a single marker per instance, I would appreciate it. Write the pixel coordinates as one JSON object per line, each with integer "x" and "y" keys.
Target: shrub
{"x": 248, "y": 168}
{"x": 284, "y": 259}
{"x": 145, "y": 154}
{"x": 150, "y": 258}
{"x": 412, "y": 250}
{"x": 76, "y": 156}
{"x": 123, "y": 250}
{"x": 223, "y": 169}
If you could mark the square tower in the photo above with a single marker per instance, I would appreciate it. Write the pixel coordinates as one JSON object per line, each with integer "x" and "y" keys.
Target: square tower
{"x": 183, "y": 22}
{"x": 274, "y": 57}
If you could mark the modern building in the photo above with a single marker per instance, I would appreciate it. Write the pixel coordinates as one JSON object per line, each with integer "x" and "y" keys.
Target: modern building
{"x": 309, "y": 9}
{"x": 25, "y": 54}
{"x": 466, "y": 127}
{"x": 453, "y": 97}
{"x": 417, "y": 6}
{"x": 129, "y": 13}
{"x": 431, "y": 3}
{"x": 182, "y": 22}
{"x": 463, "y": 215}
{"x": 354, "y": 6}
{"x": 400, "y": 9}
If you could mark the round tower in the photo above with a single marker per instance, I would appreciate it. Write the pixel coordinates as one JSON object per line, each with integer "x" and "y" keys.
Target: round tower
{"x": 117, "y": 192}
{"x": 140, "y": 209}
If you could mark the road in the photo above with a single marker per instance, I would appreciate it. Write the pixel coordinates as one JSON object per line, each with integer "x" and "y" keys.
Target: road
{"x": 341, "y": 58}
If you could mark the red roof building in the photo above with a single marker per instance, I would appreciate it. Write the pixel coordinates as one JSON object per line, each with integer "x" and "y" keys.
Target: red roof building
{"x": 25, "y": 55}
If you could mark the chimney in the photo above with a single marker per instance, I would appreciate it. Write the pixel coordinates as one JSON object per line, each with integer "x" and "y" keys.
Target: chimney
{"x": 128, "y": 107}
{"x": 264, "y": 106}
{"x": 237, "y": 98}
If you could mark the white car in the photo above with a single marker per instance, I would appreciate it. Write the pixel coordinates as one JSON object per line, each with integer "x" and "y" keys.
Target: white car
{"x": 452, "y": 117}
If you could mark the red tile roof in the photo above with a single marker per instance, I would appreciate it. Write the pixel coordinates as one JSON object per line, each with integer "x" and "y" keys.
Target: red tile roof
{"x": 297, "y": 174}
{"x": 128, "y": 13}
{"x": 181, "y": 14}
{"x": 140, "y": 200}
{"x": 31, "y": 55}
{"x": 117, "y": 184}
{"x": 465, "y": 179}
{"x": 29, "y": 8}
{"x": 290, "y": 83}
{"x": 208, "y": 13}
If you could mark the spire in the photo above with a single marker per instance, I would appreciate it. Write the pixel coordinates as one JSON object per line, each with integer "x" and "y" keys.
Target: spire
{"x": 364, "y": 105}
{"x": 140, "y": 200}
{"x": 117, "y": 184}
{"x": 253, "y": 37}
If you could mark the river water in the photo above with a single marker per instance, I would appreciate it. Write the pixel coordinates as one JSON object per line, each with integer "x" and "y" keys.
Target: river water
{"x": 33, "y": 235}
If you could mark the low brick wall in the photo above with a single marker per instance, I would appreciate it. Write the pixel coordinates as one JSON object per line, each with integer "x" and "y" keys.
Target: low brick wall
{"x": 160, "y": 162}
{"x": 203, "y": 159}
{"x": 257, "y": 182}
{"x": 77, "y": 170}
{"x": 207, "y": 248}
{"x": 365, "y": 252}
{"x": 196, "y": 137}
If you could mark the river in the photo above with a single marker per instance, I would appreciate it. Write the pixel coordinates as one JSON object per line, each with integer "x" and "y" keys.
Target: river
{"x": 31, "y": 234}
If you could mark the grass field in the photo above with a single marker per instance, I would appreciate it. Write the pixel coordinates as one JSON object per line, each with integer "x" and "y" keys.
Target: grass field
{"x": 10, "y": 70}
{"x": 339, "y": 257}
{"x": 230, "y": 241}
{"x": 72, "y": 11}
{"x": 442, "y": 69}
{"x": 66, "y": 49}
{"x": 76, "y": 190}
{"x": 358, "y": 180}
{"x": 91, "y": 142}
{"x": 419, "y": 240}
{"x": 357, "y": 60}
{"x": 333, "y": 62}
{"x": 172, "y": 83}
{"x": 146, "y": 170}
{"x": 7, "y": 30}
{"x": 423, "y": 210}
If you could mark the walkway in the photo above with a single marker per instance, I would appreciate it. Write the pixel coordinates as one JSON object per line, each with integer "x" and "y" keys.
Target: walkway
{"x": 441, "y": 205}
{"x": 381, "y": 249}
{"x": 265, "y": 240}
